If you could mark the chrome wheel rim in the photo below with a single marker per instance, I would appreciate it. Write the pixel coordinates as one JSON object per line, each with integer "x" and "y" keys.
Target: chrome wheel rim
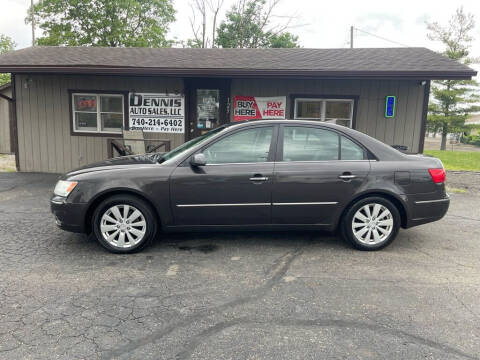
{"x": 372, "y": 224}
{"x": 123, "y": 226}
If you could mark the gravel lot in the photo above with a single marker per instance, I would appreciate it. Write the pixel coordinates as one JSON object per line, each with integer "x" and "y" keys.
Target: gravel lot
{"x": 237, "y": 296}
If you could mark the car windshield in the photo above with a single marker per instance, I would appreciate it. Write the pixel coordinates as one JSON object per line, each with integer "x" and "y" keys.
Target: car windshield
{"x": 189, "y": 144}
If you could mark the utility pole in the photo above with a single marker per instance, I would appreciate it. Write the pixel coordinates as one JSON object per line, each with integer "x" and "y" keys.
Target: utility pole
{"x": 33, "y": 22}
{"x": 351, "y": 37}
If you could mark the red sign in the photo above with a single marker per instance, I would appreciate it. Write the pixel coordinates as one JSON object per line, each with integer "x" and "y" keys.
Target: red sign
{"x": 85, "y": 103}
{"x": 251, "y": 107}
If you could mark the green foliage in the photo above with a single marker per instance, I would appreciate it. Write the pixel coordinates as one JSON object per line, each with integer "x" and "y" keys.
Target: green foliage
{"x": 247, "y": 26}
{"x": 141, "y": 23}
{"x": 6, "y": 44}
{"x": 283, "y": 40}
{"x": 453, "y": 100}
{"x": 471, "y": 140}
{"x": 457, "y": 160}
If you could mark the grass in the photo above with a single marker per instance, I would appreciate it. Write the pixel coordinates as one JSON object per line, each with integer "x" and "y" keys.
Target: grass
{"x": 457, "y": 160}
{"x": 7, "y": 163}
{"x": 456, "y": 190}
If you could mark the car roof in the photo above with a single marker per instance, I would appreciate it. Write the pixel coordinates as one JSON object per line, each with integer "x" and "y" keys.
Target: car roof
{"x": 286, "y": 121}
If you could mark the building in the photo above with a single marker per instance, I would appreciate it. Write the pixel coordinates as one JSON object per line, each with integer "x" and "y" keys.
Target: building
{"x": 474, "y": 121}
{"x": 5, "y": 118}
{"x": 73, "y": 103}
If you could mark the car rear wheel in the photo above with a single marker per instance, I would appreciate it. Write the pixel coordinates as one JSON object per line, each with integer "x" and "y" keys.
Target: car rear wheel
{"x": 371, "y": 223}
{"x": 124, "y": 224}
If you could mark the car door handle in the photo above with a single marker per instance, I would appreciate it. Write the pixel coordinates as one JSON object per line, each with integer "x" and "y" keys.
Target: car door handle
{"x": 347, "y": 176}
{"x": 259, "y": 178}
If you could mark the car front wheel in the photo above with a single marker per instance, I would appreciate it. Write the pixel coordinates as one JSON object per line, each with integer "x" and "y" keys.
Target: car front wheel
{"x": 124, "y": 224}
{"x": 371, "y": 223}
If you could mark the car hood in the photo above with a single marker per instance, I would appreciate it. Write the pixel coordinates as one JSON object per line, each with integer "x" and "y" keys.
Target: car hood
{"x": 119, "y": 162}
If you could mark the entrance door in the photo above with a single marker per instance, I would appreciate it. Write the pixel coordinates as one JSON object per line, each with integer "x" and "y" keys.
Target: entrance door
{"x": 208, "y": 105}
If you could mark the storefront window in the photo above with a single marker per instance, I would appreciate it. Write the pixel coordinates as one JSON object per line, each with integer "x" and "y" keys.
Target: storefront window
{"x": 338, "y": 111}
{"x": 98, "y": 113}
{"x": 309, "y": 109}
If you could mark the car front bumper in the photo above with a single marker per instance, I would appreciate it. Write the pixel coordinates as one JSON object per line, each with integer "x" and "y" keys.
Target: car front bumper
{"x": 68, "y": 216}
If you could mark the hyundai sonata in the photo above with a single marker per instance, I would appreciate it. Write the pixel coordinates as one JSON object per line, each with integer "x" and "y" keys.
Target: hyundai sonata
{"x": 258, "y": 175}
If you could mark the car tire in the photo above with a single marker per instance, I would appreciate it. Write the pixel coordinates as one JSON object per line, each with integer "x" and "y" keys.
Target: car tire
{"x": 124, "y": 224}
{"x": 371, "y": 223}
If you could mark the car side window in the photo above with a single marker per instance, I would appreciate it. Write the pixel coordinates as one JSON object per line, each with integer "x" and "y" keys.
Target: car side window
{"x": 309, "y": 144}
{"x": 350, "y": 150}
{"x": 246, "y": 146}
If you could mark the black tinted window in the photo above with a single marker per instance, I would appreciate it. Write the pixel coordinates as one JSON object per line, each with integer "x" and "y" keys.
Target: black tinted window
{"x": 245, "y": 146}
{"x": 309, "y": 144}
{"x": 350, "y": 150}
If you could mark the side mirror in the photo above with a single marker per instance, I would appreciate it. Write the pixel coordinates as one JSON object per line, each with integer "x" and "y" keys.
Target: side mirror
{"x": 198, "y": 160}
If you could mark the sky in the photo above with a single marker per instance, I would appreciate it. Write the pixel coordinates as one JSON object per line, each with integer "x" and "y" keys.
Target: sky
{"x": 318, "y": 24}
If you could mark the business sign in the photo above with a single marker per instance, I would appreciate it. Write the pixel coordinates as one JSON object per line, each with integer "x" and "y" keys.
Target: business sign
{"x": 390, "y": 105}
{"x": 157, "y": 112}
{"x": 252, "y": 107}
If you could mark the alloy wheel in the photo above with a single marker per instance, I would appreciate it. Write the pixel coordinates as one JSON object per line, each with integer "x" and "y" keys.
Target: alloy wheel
{"x": 372, "y": 224}
{"x": 123, "y": 226}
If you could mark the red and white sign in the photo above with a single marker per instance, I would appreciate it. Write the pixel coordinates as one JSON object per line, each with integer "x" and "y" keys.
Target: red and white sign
{"x": 252, "y": 107}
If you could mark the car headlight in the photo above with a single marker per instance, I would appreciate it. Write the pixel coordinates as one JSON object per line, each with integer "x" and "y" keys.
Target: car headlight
{"x": 64, "y": 188}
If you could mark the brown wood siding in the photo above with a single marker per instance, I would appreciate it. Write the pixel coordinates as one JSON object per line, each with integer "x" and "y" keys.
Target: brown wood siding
{"x": 5, "y": 122}
{"x": 43, "y": 117}
{"x": 403, "y": 129}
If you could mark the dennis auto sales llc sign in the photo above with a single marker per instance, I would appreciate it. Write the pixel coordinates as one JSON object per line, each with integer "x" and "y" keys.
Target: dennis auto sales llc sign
{"x": 253, "y": 107}
{"x": 157, "y": 112}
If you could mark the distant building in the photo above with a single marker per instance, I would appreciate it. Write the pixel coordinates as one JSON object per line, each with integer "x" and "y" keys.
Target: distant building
{"x": 473, "y": 120}
{"x": 5, "y": 119}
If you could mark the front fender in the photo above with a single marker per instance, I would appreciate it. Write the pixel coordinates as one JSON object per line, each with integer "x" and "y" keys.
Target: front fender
{"x": 150, "y": 184}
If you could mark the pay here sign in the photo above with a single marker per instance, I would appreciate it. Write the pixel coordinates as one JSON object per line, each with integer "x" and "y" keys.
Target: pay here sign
{"x": 253, "y": 107}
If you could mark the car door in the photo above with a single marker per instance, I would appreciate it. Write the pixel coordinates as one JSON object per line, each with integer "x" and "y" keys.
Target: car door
{"x": 234, "y": 187}
{"x": 313, "y": 181}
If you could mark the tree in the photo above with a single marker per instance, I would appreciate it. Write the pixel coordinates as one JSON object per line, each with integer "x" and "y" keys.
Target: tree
{"x": 248, "y": 25}
{"x": 453, "y": 100}
{"x": 6, "y": 44}
{"x": 206, "y": 10}
{"x": 142, "y": 23}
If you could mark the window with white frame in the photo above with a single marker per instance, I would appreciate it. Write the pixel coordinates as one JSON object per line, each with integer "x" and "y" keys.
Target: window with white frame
{"x": 338, "y": 111}
{"x": 97, "y": 113}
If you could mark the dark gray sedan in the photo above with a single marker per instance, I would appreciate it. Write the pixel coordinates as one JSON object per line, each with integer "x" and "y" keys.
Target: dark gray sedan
{"x": 259, "y": 175}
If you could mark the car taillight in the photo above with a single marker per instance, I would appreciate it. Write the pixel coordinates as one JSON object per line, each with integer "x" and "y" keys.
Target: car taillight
{"x": 438, "y": 175}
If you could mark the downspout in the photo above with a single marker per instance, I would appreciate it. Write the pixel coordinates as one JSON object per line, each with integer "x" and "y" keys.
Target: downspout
{"x": 423, "y": 129}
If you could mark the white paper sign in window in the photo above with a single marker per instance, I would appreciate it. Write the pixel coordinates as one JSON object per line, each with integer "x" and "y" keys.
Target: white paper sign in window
{"x": 157, "y": 112}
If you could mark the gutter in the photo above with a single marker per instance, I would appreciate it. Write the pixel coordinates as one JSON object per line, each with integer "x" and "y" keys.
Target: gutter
{"x": 240, "y": 72}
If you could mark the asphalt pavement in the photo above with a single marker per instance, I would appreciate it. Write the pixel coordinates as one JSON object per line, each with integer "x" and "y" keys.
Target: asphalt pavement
{"x": 297, "y": 295}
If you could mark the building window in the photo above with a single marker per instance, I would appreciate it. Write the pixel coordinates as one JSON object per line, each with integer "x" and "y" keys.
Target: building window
{"x": 337, "y": 111}
{"x": 98, "y": 113}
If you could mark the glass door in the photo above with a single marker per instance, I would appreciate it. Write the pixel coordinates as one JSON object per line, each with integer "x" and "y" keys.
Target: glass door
{"x": 208, "y": 105}
{"x": 208, "y": 109}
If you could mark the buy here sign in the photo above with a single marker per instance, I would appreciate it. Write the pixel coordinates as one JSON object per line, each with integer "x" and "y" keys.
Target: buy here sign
{"x": 252, "y": 107}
